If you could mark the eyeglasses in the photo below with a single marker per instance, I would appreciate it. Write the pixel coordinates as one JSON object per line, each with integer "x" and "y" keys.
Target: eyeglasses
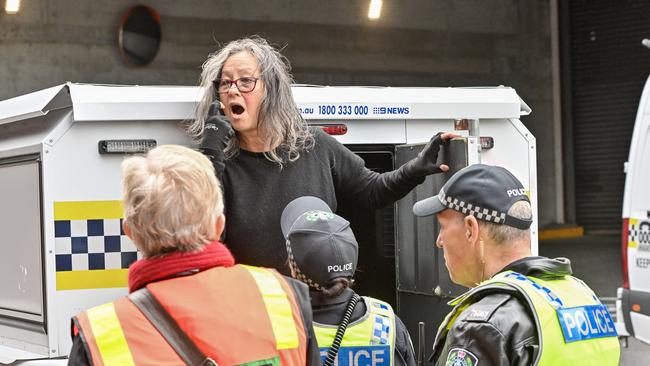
{"x": 244, "y": 85}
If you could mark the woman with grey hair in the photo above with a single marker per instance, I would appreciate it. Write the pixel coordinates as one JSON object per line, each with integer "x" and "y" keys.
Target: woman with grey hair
{"x": 266, "y": 155}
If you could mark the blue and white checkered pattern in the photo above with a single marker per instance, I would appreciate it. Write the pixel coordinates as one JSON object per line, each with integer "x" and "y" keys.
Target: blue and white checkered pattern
{"x": 92, "y": 245}
{"x": 380, "y": 305}
{"x": 546, "y": 293}
{"x": 639, "y": 232}
{"x": 381, "y": 330}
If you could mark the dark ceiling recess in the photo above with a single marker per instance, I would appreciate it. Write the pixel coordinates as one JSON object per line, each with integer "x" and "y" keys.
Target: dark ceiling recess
{"x": 139, "y": 37}
{"x": 608, "y": 68}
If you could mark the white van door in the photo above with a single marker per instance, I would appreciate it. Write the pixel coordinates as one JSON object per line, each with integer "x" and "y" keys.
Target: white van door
{"x": 423, "y": 281}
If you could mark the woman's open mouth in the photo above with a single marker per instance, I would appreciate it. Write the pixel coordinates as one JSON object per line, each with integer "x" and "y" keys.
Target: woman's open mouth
{"x": 236, "y": 109}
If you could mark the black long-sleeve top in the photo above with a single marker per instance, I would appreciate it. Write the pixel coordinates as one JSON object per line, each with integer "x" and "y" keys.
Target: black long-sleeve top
{"x": 256, "y": 191}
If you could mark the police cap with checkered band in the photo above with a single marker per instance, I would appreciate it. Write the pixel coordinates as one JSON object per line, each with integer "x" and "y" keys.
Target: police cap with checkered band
{"x": 320, "y": 244}
{"x": 484, "y": 191}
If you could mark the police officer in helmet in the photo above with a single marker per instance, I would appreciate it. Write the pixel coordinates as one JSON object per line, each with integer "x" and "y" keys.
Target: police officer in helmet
{"x": 350, "y": 330}
{"x": 521, "y": 309}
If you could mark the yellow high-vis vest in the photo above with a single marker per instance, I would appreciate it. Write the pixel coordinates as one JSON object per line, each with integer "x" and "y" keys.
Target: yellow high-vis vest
{"x": 257, "y": 323}
{"x": 369, "y": 340}
{"x": 573, "y": 326}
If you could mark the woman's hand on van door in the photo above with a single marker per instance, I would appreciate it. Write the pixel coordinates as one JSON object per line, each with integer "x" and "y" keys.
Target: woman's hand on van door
{"x": 426, "y": 162}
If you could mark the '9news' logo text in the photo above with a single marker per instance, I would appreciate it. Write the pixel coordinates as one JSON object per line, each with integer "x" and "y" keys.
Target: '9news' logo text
{"x": 401, "y": 111}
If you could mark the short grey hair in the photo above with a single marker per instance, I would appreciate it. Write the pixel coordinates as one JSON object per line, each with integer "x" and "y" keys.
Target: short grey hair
{"x": 504, "y": 233}
{"x": 172, "y": 200}
{"x": 280, "y": 122}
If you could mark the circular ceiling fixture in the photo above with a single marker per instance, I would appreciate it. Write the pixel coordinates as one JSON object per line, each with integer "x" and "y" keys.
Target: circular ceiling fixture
{"x": 139, "y": 35}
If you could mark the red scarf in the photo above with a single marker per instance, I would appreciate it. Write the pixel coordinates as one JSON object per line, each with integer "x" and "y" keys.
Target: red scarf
{"x": 165, "y": 266}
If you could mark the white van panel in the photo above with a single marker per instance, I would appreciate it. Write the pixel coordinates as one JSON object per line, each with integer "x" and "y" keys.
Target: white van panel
{"x": 639, "y": 174}
{"x": 21, "y": 285}
{"x": 636, "y": 203}
{"x": 641, "y": 326}
{"x": 637, "y": 180}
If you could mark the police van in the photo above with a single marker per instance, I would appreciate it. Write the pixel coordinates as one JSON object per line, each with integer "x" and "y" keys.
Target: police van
{"x": 62, "y": 246}
{"x": 633, "y": 299}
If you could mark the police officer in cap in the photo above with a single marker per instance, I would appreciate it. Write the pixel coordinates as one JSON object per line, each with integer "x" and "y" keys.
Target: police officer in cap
{"x": 521, "y": 309}
{"x": 351, "y": 329}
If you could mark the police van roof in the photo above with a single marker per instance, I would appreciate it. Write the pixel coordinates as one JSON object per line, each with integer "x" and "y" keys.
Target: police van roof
{"x": 94, "y": 102}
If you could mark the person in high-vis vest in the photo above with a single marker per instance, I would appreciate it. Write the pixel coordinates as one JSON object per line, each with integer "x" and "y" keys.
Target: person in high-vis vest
{"x": 521, "y": 309}
{"x": 233, "y": 314}
{"x": 323, "y": 253}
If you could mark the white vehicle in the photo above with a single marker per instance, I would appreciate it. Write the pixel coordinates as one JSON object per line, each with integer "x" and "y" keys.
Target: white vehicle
{"x": 60, "y": 155}
{"x": 633, "y": 299}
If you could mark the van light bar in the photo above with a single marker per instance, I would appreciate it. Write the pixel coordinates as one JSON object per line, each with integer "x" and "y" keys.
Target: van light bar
{"x": 125, "y": 146}
{"x": 334, "y": 130}
{"x": 487, "y": 142}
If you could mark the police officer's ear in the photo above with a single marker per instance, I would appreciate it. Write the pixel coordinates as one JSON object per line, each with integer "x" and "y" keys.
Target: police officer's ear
{"x": 471, "y": 229}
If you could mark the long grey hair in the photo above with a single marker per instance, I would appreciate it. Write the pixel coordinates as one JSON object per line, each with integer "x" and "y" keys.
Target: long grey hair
{"x": 279, "y": 122}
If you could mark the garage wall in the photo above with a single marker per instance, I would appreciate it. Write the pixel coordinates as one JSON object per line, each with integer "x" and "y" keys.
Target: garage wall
{"x": 415, "y": 43}
{"x": 608, "y": 68}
